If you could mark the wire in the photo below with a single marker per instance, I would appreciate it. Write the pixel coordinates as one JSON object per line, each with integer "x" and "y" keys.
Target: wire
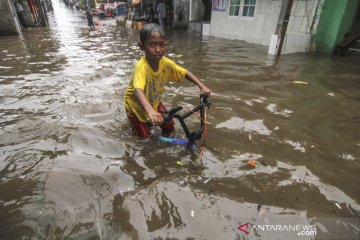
{"x": 204, "y": 136}
{"x": 307, "y": 17}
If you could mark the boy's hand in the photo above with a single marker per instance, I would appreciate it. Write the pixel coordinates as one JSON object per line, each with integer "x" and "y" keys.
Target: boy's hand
{"x": 156, "y": 118}
{"x": 205, "y": 90}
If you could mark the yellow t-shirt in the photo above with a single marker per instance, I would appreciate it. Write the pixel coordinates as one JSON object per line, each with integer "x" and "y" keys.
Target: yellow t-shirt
{"x": 151, "y": 83}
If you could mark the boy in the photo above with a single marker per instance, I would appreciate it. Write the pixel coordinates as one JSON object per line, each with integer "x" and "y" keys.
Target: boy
{"x": 151, "y": 73}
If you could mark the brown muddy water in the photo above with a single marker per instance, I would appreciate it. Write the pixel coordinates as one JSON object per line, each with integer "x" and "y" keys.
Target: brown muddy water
{"x": 71, "y": 169}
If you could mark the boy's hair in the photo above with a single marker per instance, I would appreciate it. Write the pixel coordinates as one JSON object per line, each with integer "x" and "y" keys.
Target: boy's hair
{"x": 149, "y": 29}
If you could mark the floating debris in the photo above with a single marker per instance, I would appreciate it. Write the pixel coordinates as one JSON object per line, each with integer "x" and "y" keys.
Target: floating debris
{"x": 207, "y": 180}
{"x": 173, "y": 55}
{"x": 357, "y": 212}
{"x": 179, "y": 163}
{"x": 112, "y": 163}
{"x": 252, "y": 163}
{"x": 301, "y": 82}
{"x": 263, "y": 162}
{"x": 99, "y": 230}
{"x": 225, "y": 108}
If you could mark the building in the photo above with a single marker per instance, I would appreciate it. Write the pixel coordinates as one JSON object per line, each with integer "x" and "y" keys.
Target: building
{"x": 285, "y": 26}
{"x": 33, "y": 15}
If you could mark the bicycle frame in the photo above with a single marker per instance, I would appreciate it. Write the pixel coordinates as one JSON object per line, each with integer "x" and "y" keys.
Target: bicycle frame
{"x": 192, "y": 136}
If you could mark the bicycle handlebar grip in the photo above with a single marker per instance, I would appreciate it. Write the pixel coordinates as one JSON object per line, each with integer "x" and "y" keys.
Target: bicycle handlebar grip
{"x": 203, "y": 95}
{"x": 149, "y": 123}
{"x": 203, "y": 98}
{"x": 166, "y": 116}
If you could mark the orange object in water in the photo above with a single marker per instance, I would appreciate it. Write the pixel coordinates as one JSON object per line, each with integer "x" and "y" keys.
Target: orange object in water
{"x": 252, "y": 163}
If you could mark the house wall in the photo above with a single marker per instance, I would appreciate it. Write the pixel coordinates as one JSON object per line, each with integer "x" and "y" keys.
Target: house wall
{"x": 27, "y": 15}
{"x": 298, "y": 34}
{"x": 260, "y": 29}
{"x": 336, "y": 19}
{"x": 9, "y": 24}
{"x": 257, "y": 30}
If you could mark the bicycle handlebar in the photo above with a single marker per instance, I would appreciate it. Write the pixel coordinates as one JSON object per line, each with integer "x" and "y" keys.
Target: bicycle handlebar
{"x": 167, "y": 116}
{"x": 191, "y": 135}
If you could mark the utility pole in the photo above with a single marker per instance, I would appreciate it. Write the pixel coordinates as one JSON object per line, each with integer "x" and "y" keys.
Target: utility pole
{"x": 283, "y": 22}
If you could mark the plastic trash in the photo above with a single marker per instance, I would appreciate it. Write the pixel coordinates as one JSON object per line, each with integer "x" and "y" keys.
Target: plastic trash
{"x": 353, "y": 210}
{"x": 252, "y": 163}
{"x": 115, "y": 163}
{"x": 225, "y": 108}
{"x": 179, "y": 163}
{"x": 207, "y": 180}
{"x": 174, "y": 55}
{"x": 264, "y": 163}
{"x": 301, "y": 82}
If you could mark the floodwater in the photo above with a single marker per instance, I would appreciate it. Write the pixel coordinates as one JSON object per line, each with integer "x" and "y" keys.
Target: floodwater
{"x": 70, "y": 167}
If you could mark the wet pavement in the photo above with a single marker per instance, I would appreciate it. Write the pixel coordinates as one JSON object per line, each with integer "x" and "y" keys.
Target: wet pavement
{"x": 71, "y": 169}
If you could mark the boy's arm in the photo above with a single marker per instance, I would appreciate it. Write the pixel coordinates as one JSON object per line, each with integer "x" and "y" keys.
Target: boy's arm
{"x": 155, "y": 117}
{"x": 192, "y": 78}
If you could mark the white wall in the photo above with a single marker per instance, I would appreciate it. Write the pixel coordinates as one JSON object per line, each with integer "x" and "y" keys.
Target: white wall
{"x": 258, "y": 30}
{"x": 298, "y": 31}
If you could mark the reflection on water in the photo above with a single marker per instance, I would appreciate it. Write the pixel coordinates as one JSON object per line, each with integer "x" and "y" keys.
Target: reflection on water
{"x": 71, "y": 169}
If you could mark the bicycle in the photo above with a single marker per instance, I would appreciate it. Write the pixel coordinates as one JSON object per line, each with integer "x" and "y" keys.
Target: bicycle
{"x": 191, "y": 136}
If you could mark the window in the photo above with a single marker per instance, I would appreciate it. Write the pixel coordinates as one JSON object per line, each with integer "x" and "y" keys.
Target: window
{"x": 242, "y": 8}
{"x": 234, "y": 8}
{"x": 249, "y": 8}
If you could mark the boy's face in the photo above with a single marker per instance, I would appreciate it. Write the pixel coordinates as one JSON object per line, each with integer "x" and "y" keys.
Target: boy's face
{"x": 154, "y": 47}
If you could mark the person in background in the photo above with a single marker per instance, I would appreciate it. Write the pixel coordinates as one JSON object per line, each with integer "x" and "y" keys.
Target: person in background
{"x": 143, "y": 96}
{"x": 102, "y": 6}
{"x": 169, "y": 13}
{"x": 161, "y": 13}
{"x": 89, "y": 18}
{"x": 20, "y": 10}
{"x": 149, "y": 13}
{"x": 114, "y": 9}
{"x": 71, "y": 4}
{"x": 207, "y": 9}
